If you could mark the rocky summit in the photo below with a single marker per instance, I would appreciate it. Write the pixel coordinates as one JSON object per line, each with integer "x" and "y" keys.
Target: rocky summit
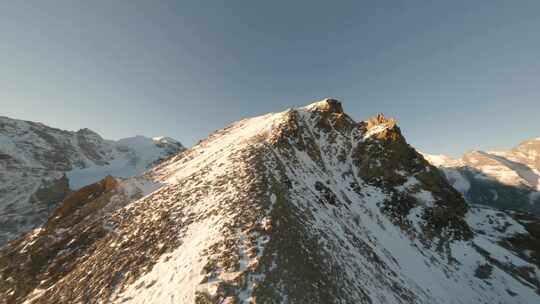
{"x": 302, "y": 206}
{"x": 41, "y": 165}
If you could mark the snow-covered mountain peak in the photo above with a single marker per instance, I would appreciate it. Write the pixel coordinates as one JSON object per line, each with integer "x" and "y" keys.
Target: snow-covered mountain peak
{"x": 328, "y": 105}
{"x": 290, "y": 207}
{"x": 507, "y": 179}
{"x": 165, "y": 140}
{"x": 250, "y": 132}
{"x": 151, "y": 147}
{"x": 40, "y": 164}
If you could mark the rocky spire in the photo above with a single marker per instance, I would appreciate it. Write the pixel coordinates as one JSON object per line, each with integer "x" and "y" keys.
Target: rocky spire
{"x": 380, "y": 119}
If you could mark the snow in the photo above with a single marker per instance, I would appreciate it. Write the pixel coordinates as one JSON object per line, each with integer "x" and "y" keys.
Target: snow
{"x": 211, "y": 151}
{"x": 178, "y": 276}
{"x": 502, "y": 174}
{"x": 142, "y": 153}
{"x": 7, "y": 146}
{"x": 493, "y": 223}
{"x": 457, "y": 180}
{"x": 405, "y": 259}
{"x": 450, "y": 168}
{"x": 164, "y": 139}
{"x": 534, "y": 197}
{"x": 422, "y": 270}
{"x": 318, "y": 105}
{"x": 495, "y": 194}
{"x": 175, "y": 278}
{"x": 440, "y": 160}
{"x": 140, "y": 186}
{"x": 516, "y": 167}
{"x": 41, "y": 154}
{"x": 499, "y": 253}
{"x": 145, "y": 148}
{"x": 81, "y": 177}
{"x": 374, "y": 130}
{"x": 372, "y": 254}
{"x": 425, "y": 197}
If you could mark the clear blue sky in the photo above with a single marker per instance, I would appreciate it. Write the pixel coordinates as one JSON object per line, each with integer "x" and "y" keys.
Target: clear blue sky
{"x": 457, "y": 75}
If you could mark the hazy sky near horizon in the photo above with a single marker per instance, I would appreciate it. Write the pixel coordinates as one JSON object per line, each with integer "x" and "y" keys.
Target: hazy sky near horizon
{"x": 457, "y": 75}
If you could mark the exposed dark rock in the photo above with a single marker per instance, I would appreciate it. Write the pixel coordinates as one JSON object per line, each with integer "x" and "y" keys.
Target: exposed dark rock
{"x": 483, "y": 271}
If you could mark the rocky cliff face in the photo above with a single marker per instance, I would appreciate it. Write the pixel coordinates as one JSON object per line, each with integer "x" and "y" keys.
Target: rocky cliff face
{"x": 302, "y": 206}
{"x": 40, "y": 165}
{"x": 502, "y": 179}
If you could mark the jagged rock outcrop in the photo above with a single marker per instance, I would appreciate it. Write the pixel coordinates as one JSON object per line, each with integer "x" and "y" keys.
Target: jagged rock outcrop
{"x": 288, "y": 207}
{"x": 39, "y": 165}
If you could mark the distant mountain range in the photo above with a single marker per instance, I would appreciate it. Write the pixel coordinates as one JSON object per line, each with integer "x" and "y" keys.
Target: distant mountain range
{"x": 503, "y": 179}
{"x": 41, "y": 165}
{"x": 301, "y": 206}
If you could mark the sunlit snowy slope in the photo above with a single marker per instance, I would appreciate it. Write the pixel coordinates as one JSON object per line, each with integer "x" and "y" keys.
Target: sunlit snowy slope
{"x": 504, "y": 179}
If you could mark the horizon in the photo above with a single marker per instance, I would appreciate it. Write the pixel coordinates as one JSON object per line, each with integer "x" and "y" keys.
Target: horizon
{"x": 456, "y": 76}
{"x": 150, "y": 136}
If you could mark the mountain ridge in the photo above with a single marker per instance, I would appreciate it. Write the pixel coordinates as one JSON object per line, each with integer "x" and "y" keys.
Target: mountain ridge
{"x": 40, "y": 165}
{"x": 507, "y": 179}
{"x": 301, "y": 206}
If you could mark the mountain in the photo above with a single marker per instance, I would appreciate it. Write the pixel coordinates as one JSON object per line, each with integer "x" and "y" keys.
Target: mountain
{"x": 40, "y": 165}
{"x": 302, "y": 206}
{"x": 503, "y": 179}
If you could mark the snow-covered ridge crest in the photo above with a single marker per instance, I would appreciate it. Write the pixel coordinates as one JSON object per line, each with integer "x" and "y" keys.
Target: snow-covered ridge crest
{"x": 236, "y": 137}
{"x": 327, "y": 105}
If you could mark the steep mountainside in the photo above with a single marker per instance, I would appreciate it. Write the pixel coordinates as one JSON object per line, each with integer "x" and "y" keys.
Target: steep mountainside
{"x": 303, "y": 206}
{"x": 39, "y": 165}
{"x": 503, "y": 179}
